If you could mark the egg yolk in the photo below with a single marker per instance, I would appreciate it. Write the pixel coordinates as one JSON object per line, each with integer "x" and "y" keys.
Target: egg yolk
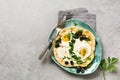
{"x": 83, "y": 51}
{"x": 66, "y": 37}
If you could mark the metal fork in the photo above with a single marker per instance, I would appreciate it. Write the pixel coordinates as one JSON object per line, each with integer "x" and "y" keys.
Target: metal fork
{"x": 55, "y": 33}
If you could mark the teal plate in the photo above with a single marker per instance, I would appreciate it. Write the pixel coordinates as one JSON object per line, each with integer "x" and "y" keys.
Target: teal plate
{"x": 98, "y": 49}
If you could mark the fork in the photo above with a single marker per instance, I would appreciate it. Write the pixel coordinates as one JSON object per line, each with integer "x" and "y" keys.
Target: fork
{"x": 53, "y": 36}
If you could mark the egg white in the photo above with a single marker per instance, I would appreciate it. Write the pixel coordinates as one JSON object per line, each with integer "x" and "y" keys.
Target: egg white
{"x": 64, "y": 44}
{"x": 63, "y": 52}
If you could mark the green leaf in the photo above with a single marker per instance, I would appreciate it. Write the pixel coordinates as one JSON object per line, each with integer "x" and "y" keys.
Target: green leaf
{"x": 111, "y": 67}
{"x": 109, "y": 60}
{"x": 103, "y": 64}
{"x": 69, "y": 36}
{"x": 74, "y": 56}
{"x": 79, "y": 61}
{"x": 68, "y": 58}
{"x": 89, "y": 65}
{"x": 75, "y": 23}
{"x": 89, "y": 58}
{"x": 70, "y": 44}
{"x": 114, "y": 60}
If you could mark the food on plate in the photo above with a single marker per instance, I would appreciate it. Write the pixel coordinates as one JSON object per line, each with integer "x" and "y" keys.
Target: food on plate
{"x": 74, "y": 46}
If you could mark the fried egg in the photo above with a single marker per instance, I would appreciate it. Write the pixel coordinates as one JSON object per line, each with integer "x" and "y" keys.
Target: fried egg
{"x": 66, "y": 36}
{"x": 62, "y": 52}
{"x": 82, "y": 49}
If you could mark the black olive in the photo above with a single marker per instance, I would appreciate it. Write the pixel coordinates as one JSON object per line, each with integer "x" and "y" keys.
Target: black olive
{"x": 73, "y": 41}
{"x": 78, "y": 69}
{"x": 83, "y": 37}
{"x": 58, "y": 41}
{"x": 82, "y": 70}
{"x": 71, "y": 62}
{"x": 57, "y": 45}
{"x": 66, "y": 62}
{"x": 96, "y": 42}
{"x": 75, "y": 36}
{"x": 78, "y": 33}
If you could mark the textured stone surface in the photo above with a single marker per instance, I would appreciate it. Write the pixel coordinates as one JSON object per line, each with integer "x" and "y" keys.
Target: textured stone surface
{"x": 25, "y": 26}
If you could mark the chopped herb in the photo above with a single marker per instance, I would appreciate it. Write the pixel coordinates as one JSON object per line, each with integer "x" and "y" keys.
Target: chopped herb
{"x": 79, "y": 62}
{"x": 68, "y": 36}
{"x": 70, "y": 44}
{"x": 87, "y": 39}
{"x": 89, "y": 58}
{"x": 89, "y": 65}
{"x": 68, "y": 58}
{"x": 72, "y": 53}
{"x": 70, "y": 50}
{"x": 72, "y": 47}
{"x": 79, "y": 58}
{"x": 79, "y": 33}
{"x": 75, "y": 57}
{"x": 75, "y": 23}
{"x": 72, "y": 33}
{"x": 64, "y": 57}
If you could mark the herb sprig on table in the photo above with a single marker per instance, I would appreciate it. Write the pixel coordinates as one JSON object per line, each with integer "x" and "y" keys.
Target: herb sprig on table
{"x": 108, "y": 64}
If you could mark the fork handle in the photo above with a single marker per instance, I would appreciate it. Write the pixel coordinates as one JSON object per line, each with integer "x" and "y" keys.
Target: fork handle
{"x": 49, "y": 53}
{"x": 44, "y": 51}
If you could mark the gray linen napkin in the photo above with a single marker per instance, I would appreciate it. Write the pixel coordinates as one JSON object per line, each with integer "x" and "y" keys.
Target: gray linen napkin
{"x": 79, "y": 13}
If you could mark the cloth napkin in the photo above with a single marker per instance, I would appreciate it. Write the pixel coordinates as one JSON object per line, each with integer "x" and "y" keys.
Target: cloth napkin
{"x": 79, "y": 13}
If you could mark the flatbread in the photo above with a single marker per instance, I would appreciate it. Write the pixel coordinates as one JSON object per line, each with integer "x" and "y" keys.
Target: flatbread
{"x": 91, "y": 43}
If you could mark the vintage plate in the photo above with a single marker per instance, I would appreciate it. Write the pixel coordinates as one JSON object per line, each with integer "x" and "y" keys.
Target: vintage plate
{"x": 98, "y": 49}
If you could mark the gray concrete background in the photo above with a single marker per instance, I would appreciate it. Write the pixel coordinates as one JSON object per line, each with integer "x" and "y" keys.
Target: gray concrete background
{"x": 24, "y": 29}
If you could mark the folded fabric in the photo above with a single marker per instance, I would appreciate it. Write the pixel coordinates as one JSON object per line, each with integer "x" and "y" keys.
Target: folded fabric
{"x": 79, "y": 13}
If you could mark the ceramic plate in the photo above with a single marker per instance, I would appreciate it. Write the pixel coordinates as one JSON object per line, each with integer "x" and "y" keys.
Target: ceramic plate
{"x": 98, "y": 49}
